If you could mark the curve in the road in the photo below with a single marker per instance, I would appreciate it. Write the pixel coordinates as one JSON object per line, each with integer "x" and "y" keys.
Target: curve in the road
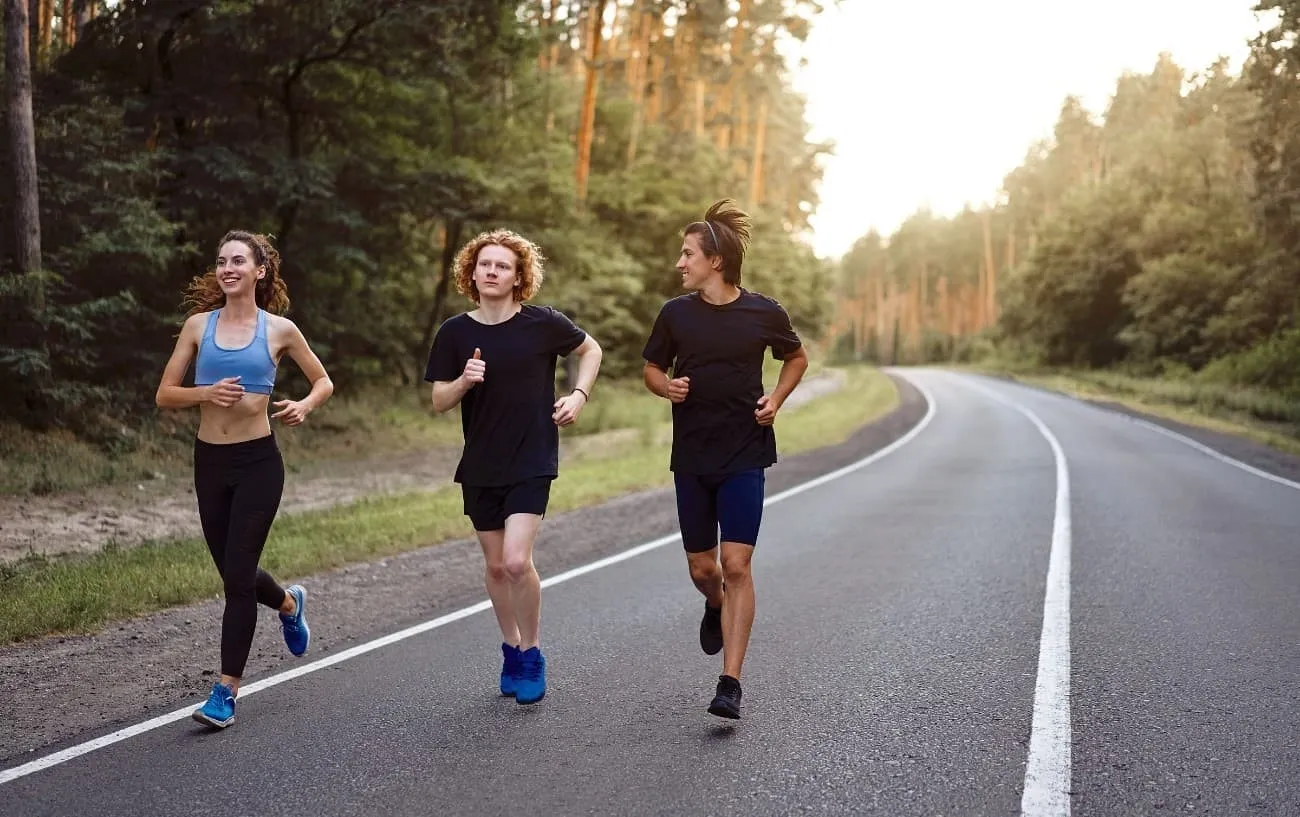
{"x": 1047, "y": 771}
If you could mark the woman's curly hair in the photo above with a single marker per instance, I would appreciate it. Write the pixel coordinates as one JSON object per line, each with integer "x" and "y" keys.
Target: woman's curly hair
{"x": 204, "y": 291}
{"x": 529, "y": 263}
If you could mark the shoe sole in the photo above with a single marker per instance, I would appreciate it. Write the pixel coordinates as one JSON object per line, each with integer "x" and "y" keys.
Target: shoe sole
{"x": 301, "y": 598}
{"x": 724, "y": 711}
{"x": 210, "y": 721}
{"x": 527, "y": 701}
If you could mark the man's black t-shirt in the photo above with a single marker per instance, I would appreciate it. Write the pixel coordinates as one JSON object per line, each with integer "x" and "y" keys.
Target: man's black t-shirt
{"x": 720, "y": 348}
{"x": 506, "y": 419}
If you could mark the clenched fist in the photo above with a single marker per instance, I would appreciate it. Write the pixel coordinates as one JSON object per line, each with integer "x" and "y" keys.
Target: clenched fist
{"x": 225, "y": 392}
{"x": 678, "y": 387}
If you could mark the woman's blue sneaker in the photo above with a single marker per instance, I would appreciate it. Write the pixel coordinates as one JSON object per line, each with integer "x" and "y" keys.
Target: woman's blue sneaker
{"x": 509, "y": 668}
{"x": 297, "y": 635}
{"x": 219, "y": 711}
{"x": 530, "y": 684}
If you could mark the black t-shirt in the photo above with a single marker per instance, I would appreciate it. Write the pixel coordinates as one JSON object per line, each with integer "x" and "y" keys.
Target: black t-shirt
{"x": 506, "y": 419}
{"x": 720, "y": 348}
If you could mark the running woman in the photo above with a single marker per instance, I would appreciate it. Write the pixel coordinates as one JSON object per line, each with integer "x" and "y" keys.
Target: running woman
{"x": 498, "y": 363}
{"x": 235, "y": 335}
{"x": 712, "y": 340}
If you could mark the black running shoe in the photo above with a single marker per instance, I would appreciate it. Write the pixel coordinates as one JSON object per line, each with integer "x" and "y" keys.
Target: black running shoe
{"x": 726, "y": 704}
{"x": 711, "y": 630}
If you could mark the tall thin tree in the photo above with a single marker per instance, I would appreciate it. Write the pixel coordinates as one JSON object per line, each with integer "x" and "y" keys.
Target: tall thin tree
{"x": 587, "y": 125}
{"x": 22, "y": 146}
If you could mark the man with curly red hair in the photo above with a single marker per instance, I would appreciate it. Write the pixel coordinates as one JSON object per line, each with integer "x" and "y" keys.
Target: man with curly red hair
{"x": 497, "y": 362}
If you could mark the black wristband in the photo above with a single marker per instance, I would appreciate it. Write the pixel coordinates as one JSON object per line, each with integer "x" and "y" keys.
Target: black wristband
{"x": 584, "y": 393}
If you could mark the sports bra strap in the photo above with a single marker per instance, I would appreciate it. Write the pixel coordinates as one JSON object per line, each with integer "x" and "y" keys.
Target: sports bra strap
{"x": 210, "y": 329}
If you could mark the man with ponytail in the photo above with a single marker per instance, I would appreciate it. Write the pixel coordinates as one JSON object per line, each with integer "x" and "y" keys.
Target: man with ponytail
{"x": 497, "y": 363}
{"x": 705, "y": 355}
{"x": 235, "y": 335}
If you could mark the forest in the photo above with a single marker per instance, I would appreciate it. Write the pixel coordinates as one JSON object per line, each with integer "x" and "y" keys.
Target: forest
{"x": 372, "y": 138}
{"x": 1159, "y": 237}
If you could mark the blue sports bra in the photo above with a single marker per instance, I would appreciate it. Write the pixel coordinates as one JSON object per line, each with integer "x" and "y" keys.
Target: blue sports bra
{"x": 252, "y": 364}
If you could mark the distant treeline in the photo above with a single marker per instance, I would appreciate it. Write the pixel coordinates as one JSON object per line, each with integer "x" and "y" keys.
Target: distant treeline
{"x": 1161, "y": 237}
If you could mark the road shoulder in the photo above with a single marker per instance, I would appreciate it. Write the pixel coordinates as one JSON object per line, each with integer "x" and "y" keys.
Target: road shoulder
{"x": 56, "y": 689}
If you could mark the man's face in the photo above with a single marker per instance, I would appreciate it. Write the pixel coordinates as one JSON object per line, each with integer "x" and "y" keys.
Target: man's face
{"x": 495, "y": 273}
{"x": 695, "y": 267}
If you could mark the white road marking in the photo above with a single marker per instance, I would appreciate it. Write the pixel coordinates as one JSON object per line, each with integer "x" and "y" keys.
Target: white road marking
{"x": 1173, "y": 435}
{"x": 1205, "y": 449}
{"x": 63, "y": 756}
{"x": 1047, "y": 772}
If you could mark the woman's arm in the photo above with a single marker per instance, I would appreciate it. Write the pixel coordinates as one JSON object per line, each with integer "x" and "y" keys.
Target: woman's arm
{"x": 294, "y": 412}
{"x": 172, "y": 395}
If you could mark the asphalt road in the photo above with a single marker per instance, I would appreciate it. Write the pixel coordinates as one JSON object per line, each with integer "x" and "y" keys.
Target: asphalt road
{"x": 910, "y": 657}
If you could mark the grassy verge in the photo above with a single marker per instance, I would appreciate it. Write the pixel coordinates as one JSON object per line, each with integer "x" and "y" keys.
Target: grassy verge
{"x": 368, "y": 424}
{"x": 79, "y": 594}
{"x": 1263, "y": 416}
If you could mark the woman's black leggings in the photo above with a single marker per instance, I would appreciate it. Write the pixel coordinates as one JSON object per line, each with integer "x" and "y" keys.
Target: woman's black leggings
{"x": 238, "y": 486}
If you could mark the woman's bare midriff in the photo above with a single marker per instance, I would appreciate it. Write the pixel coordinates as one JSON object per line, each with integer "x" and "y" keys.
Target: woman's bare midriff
{"x": 244, "y": 421}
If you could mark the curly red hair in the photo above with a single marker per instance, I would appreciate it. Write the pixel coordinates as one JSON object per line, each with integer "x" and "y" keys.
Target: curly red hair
{"x": 529, "y": 263}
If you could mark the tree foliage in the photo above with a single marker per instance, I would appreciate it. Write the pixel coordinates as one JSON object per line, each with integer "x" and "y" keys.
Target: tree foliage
{"x": 372, "y": 138}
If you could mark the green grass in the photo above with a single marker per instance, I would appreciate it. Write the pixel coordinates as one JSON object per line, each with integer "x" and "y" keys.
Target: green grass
{"x": 40, "y": 596}
{"x": 370, "y": 424}
{"x": 1263, "y": 416}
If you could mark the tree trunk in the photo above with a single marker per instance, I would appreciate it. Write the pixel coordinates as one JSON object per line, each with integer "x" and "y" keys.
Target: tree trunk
{"x": 655, "y": 68}
{"x": 1009, "y": 258}
{"x": 587, "y": 126}
{"x": 991, "y": 283}
{"x": 69, "y": 22}
{"x": 450, "y": 244}
{"x": 760, "y": 144}
{"x": 945, "y": 312}
{"x": 545, "y": 22}
{"x": 638, "y": 65}
{"x": 41, "y": 33}
{"x": 924, "y": 296}
{"x": 22, "y": 143}
{"x": 699, "y": 108}
{"x": 729, "y": 131}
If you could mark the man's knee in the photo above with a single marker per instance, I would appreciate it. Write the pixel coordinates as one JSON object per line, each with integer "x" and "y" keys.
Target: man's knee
{"x": 518, "y": 567}
{"x": 496, "y": 571}
{"x": 703, "y": 567}
{"x": 735, "y": 569}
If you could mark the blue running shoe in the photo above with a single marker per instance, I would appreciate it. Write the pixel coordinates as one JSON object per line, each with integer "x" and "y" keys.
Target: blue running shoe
{"x": 530, "y": 684}
{"x": 509, "y": 668}
{"x": 219, "y": 711}
{"x": 297, "y": 635}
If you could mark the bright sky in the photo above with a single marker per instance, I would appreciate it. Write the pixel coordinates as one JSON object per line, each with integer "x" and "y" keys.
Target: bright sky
{"x": 933, "y": 103}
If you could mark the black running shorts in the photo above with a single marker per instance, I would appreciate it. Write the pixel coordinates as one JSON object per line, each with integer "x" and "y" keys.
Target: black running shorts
{"x": 489, "y": 506}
